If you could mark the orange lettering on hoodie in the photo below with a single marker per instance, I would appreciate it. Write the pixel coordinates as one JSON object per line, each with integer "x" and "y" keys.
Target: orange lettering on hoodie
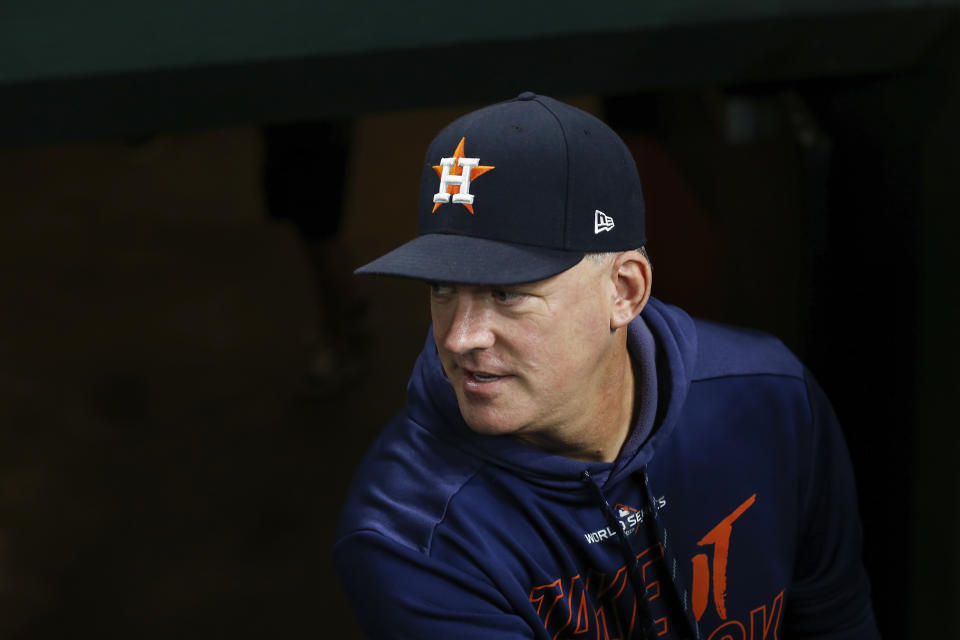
{"x": 719, "y": 537}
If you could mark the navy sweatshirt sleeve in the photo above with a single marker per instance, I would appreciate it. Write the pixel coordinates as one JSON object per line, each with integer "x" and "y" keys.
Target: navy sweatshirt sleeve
{"x": 830, "y": 594}
{"x": 403, "y": 593}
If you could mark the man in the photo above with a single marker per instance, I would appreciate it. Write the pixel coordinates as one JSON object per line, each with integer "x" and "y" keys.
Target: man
{"x": 577, "y": 459}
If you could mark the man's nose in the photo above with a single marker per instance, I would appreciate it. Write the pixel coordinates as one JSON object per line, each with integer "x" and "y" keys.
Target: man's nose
{"x": 470, "y": 326}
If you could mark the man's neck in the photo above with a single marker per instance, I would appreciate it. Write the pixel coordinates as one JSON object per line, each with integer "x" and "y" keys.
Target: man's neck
{"x": 602, "y": 432}
{"x": 612, "y": 428}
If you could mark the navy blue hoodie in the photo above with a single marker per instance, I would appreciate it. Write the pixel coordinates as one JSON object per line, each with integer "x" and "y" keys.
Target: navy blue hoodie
{"x": 735, "y": 518}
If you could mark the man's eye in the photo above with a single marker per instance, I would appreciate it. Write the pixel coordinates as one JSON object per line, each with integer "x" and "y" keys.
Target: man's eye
{"x": 439, "y": 289}
{"x": 505, "y": 296}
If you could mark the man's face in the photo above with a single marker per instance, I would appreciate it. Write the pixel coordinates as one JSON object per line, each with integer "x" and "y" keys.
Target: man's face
{"x": 529, "y": 360}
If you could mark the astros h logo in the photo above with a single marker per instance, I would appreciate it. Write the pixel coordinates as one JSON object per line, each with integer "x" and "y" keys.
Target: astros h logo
{"x": 455, "y": 176}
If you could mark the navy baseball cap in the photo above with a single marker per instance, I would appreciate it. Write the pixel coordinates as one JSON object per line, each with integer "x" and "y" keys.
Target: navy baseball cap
{"x": 519, "y": 191}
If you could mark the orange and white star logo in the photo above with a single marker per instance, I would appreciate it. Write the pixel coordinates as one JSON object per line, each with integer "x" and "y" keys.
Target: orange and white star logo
{"x": 455, "y": 176}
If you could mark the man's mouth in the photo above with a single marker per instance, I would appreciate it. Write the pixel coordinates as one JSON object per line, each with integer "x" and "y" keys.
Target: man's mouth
{"x": 482, "y": 377}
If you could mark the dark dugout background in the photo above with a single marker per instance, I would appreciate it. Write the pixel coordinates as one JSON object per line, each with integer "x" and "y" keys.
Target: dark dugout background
{"x": 161, "y": 471}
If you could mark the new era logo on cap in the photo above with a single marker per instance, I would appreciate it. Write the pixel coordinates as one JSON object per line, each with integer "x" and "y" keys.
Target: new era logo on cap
{"x": 601, "y": 222}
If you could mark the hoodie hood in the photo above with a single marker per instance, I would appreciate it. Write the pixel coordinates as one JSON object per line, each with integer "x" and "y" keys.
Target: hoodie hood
{"x": 432, "y": 403}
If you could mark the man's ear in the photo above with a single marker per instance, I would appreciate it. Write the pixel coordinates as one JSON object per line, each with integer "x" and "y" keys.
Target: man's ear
{"x": 632, "y": 277}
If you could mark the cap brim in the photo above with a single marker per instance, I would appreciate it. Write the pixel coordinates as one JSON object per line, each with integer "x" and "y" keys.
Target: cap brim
{"x": 438, "y": 257}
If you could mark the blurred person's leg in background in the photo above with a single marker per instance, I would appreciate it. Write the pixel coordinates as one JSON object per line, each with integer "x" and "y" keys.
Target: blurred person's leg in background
{"x": 304, "y": 175}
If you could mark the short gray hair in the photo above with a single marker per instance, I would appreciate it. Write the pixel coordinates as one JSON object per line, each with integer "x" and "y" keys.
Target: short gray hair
{"x": 603, "y": 256}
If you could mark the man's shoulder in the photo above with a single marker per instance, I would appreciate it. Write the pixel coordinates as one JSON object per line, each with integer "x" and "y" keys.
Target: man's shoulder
{"x": 726, "y": 351}
{"x": 405, "y": 483}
